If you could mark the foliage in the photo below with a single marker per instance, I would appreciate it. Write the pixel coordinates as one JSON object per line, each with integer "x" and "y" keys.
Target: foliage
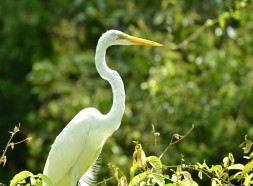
{"x": 11, "y": 144}
{"x": 28, "y": 178}
{"x": 154, "y": 172}
{"x": 203, "y": 75}
{"x": 151, "y": 170}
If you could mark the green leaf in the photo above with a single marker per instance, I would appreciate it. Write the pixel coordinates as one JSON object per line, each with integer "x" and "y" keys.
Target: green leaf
{"x": 231, "y": 158}
{"x": 187, "y": 178}
{"x": 216, "y": 168}
{"x": 186, "y": 183}
{"x": 247, "y": 179}
{"x": 20, "y": 177}
{"x": 138, "y": 179}
{"x": 158, "y": 178}
{"x": 209, "y": 22}
{"x": 236, "y": 176}
{"x": 133, "y": 170}
{"x": 226, "y": 162}
{"x": 237, "y": 166}
{"x": 45, "y": 179}
{"x": 38, "y": 182}
{"x": 156, "y": 163}
{"x": 166, "y": 176}
{"x": 251, "y": 155}
{"x": 195, "y": 183}
{"x": 236, "y": 14}
{"x": 247, "y": 147}
{"x": 216, "y": 181}
{"x": 222, "y": 19}
{"x": 247, "y": 168}
{"x": 200, "y": 174}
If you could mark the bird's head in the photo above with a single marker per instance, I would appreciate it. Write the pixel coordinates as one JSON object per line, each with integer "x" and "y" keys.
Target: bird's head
{"x": 115, "y": 37}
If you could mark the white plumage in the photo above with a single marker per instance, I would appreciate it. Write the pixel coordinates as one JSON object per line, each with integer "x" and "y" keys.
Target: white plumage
{"x": 79, "y": 144}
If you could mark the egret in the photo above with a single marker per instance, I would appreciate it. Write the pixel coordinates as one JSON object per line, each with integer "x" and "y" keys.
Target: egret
{"x": 77, "y": 147}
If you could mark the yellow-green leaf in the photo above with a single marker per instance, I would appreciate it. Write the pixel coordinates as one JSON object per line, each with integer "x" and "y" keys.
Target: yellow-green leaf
{"x": 226, "y": 162}
{"x": 236, "y": 14}
{"x": 187, "y": 178}
{"x": 45, "y": 179}
{"x": 247, "y": 168}
{"x": 158, "y": 178}
{"x": 185, "y": 183}
{"x": 222, "y": 19}
{"x": 19, "y": 177}
{"x": 235, "y": 176}
{"x": 237, "y": 166}
{"x": 133, "y": 170}
{"x": 156, "y": 163}
{"x": 200, "y": 175}
{"x": 216, "y": 168}
{"x": 138, "y": 179}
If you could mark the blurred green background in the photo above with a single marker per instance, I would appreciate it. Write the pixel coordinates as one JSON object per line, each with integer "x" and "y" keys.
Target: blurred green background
{"x": 47, "y": 75}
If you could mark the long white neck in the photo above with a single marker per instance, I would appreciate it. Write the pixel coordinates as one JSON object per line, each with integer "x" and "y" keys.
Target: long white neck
{"x": 118, "y": 107}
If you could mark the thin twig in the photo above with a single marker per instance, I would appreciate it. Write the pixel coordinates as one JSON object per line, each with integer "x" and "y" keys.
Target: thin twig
{"x": 174, "y": 142}
{"x": 16, "y": 129}
{"x": 11, "y": 144}
{"x": 104, "y": 181}
{"x": 195, "y": 34}
{"x": 156, "y": 134}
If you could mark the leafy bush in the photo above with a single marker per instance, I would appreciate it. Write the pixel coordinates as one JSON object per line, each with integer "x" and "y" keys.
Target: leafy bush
{"x": 150, "y": 170}
{"x": 203, "y": 75}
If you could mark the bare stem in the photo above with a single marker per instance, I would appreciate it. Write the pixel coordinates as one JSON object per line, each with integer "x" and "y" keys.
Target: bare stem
{"x": 195, "y": 34}
{"x": 178, "y": 138}
{"x": 11, "y": 144}
{"x": 8, "y": 144}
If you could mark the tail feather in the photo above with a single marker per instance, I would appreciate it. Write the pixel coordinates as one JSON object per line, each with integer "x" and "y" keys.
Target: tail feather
{"x": 90, "y": 177}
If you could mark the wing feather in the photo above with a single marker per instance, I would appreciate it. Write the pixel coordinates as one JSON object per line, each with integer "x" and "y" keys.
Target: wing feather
{"x": 67, "y": 148}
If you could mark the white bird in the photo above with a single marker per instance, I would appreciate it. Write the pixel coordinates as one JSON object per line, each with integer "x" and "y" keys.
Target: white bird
{"x": 78, "y": 146}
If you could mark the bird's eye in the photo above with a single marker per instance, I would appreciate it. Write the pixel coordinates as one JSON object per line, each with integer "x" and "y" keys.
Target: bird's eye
{"x": 121, "y": 36}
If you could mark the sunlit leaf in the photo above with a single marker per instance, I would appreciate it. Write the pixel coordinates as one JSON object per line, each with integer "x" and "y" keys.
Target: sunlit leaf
{"x": 251, "y": 155}
{"x": 139, "y": 156}
{"x": 226, "y": 162}
{"x": 122, "y": 181}
{"x": 209, "y": 22}
{"x": 156, "y": 163}
{"x": 133, "y": 170}
{"x": 216, "y": 168}
{"x": 187, "y": 177}
{"x": 37, "y": 182}
{"x": 45, "y": 179}
{"x": 19, "y": 177}
{"x": 158, "y": 178}
{"x": 231, "y": 158}
{"x": 138, "y": 179}
{"x": 248, "y": 167}
{"x": 236, "y": 176}
{"x": 246, "y": 180}
{"x": 237, "y": 166}
{"x": 186, "y": 183}
{"x": 247, "y": 147}
{"x": 222, "y": 19}
{"x": 200, "y": 174}
{"x": 236, "y": 14}
{"x": 216, "y": 182}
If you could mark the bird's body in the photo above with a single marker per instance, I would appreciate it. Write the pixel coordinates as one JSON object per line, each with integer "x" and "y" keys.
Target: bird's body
{"x": 68, "y": 161}
{"x": 79, "y": 144}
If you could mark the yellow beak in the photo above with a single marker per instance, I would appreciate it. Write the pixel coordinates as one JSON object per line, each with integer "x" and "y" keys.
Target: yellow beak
{"x": 140, "y": 41}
